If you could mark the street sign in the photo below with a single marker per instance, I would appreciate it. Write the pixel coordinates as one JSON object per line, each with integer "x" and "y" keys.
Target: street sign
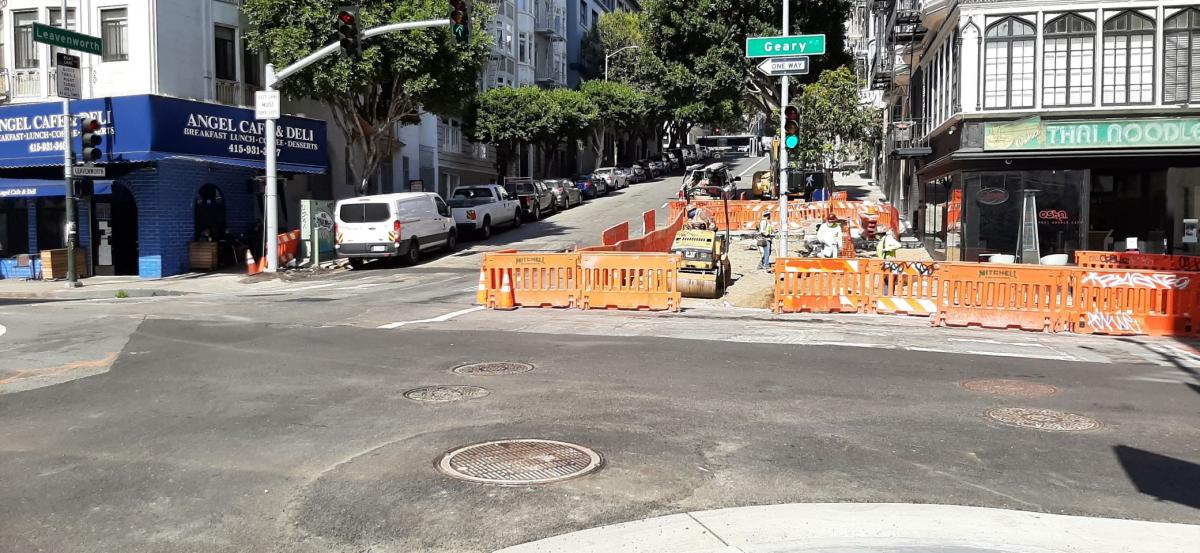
{"x": 779, "y": 67}
{"x": 266, "y": 104}
{"x": 63, "y": 38}
{"x": 67, "y": 76}
{"x": 795, "y": 45}
{"x": 88, "y": 171}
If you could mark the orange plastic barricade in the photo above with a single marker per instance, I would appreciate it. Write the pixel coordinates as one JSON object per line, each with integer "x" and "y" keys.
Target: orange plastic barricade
{"x": 536, "y": 279}
{"x": 902, "y": 287}
{"x": 1114, "y": 301}
{"x": 843, "y": 195}
{"x": 615, "y": 233}
{"x": 819, "y": 285}
{"x": 1142, "y": 261}
{"x": 1002, "y": 296}
{"x": 648, "y": 222}
{"x": 630, "y": 281}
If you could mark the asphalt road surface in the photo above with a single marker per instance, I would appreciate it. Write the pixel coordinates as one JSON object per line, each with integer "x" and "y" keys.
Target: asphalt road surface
{"x": 278, "y": 421}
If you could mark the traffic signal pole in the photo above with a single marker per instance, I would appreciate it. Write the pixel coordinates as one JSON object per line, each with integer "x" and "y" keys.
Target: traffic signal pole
{"x": 273, "y": 78}
{"x": 783, "y": 151}
{"x": 72, "y": 228}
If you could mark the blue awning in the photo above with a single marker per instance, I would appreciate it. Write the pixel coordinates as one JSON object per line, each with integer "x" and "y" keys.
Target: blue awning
{"x": 34, "y": 188}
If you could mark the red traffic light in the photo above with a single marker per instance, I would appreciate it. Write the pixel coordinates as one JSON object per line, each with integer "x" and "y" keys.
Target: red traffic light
{"x": 89, "y": 125}
{"x": 791, "y": 113}
{"x": 346, "y": 18}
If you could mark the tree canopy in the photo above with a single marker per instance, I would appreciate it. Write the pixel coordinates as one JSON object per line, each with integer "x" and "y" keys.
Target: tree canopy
{"x": 398, "y": 76}
{"x": 510, "y": 117}
{"x": 834, "y": 122}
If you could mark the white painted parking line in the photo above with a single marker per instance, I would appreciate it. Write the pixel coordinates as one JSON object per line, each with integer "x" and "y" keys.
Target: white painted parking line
{"x": 752, "y": 165}
{"x": 313, "y": 287}
{"x": 438, "y": 319}
{"x": 3, "y": 330}
{"x": 996, "y": 342}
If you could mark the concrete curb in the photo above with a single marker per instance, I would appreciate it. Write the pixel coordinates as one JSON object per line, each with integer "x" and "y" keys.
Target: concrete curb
{"x": 873, "y": 527}
{"x": 85, "y": 294}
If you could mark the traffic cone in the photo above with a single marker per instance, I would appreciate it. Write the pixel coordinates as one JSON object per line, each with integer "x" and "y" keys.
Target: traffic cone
{"x": 505, "y": 300}
{"x": 481, "y": 293}
{"x": 251, "y": 267}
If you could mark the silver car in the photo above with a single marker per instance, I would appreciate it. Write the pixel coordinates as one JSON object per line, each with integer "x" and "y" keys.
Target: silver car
{"x": 566, "y": 194}
{"x": 613, "y": 177}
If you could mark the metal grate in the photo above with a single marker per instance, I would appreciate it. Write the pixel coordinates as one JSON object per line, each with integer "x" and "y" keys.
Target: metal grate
{"x": 1042, "y": 419}
{"x": 519, "y": 462}
{"x": 1008, "y": 387}
{"x": 445, "y": 394}
{"x": 498, "y": 367}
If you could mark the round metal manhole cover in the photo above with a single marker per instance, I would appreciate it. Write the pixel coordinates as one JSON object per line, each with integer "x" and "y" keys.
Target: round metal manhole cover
{"x": 445, "y": 394}
{"x": 1042, "y": 419}
{"x": 519, "y": 462}
{"x": 1008, "y": 387}
{"x": 499, "y": 367}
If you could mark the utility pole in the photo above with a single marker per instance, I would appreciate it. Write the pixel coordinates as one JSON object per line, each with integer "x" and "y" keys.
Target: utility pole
{"x": 783, "y": 154}
{"x": 273, "y": 78}
{"x": 72, "y": 229}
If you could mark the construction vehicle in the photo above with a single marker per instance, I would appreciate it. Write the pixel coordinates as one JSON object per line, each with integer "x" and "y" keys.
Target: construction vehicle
{"x": 704, "y": 270}
{"x": 763, "y": 185}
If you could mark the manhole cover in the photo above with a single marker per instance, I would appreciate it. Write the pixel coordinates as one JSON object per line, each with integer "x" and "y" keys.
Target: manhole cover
{"x": 443, "y": 394}
{"x": 501, "y": 367}
{"x": 519, "y": 462}
{"x": 1042, "y": 419}
{"x": 1009, "y": 387}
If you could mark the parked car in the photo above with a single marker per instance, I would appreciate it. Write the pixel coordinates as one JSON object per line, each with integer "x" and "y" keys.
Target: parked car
{"x": 588, "y": 187}
{"x": 536, "y": 198}
{"x": 392, "y": 225}
{"x": 566, "y": 195}
{"x": 614, "y": 179}
{"x": 479, "y": 208}
{"x": 660, "y": 165}
{"x": 688, "y": 155}
{"x": 674, "y": 161}
{"x": 650, "y": 168}
{"x": 637, "y": 173}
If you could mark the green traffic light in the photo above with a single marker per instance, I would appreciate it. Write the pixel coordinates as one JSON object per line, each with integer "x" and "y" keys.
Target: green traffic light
{"x": 792, "y": 141}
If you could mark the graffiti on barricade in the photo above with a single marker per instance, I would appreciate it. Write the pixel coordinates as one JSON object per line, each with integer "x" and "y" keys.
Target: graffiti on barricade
{"x": 901, "y": 267}
{"x": 1156, "y": 281}
{"x": 1118, "y": 321}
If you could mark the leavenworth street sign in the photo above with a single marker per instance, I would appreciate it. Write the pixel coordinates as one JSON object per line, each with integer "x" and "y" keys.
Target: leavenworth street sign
{"x": 1035, "y": 134}
{"x": 775, "y": 46}
{"x": 63, "y": 38}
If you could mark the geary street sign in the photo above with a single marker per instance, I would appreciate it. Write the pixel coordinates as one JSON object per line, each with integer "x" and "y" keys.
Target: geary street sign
{"x": 780, "y": 67}
{"x": 63, "y": 38}
{"x": 775, "y": 46}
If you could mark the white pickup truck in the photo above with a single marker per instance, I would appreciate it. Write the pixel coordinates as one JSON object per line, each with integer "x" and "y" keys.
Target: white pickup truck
{"x": 481, "y": 208}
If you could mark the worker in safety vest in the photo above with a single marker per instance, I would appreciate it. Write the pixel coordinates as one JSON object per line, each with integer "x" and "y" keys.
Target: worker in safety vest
{"x": 887, "y": 246}
{"x": 766, "y": 232}
{"x": 829, "y": 234}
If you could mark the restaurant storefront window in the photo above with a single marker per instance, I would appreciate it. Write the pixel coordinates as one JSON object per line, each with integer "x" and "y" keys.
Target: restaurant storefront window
{"x": 992, "y": 211}
{"x": 14, "y": 227}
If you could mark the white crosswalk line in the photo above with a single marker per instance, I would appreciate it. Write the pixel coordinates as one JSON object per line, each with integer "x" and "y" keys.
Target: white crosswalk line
{"x": 438, "y": 319}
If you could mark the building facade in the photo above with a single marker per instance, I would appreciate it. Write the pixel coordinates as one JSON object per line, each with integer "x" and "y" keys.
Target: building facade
{"x": 183, "y": 160}
{"x": 1082, "y": 115}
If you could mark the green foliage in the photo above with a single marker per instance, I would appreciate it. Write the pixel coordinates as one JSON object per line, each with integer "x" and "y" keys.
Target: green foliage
{"x": 833, "y": 120}
{"x": 121, "y": 294}
{"x": 398, "y": 76}
{"x": 509, "y": 117}
{"x": 619, "y": 106}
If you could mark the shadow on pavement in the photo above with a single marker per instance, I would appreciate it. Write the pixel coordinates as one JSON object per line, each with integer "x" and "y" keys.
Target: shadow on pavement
{"x": 1173, "y": 359}
{"x": 1165, "y": 478}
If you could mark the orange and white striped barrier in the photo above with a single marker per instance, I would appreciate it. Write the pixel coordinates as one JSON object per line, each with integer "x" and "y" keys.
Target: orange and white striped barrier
{"x": 906, "y": 306}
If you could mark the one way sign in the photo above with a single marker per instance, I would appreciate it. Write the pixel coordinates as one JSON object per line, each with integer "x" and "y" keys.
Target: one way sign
{"x": 784, "y": 67}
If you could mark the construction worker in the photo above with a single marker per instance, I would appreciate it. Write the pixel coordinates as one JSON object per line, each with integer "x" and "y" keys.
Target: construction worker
{"x": 700, "y": 218}
{"x": 766, "y": 233}
{"x": 829, "y": 235}
{"x": 887, "y": 246}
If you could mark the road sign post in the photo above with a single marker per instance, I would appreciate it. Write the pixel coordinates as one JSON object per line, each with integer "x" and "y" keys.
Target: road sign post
{"x": 783, "y": 67}
{"x": 68, "y": 40}
{"x": 775, "y": 46}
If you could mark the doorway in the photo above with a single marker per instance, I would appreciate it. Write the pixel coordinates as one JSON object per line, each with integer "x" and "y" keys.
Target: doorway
{"x": 115, "y": 233}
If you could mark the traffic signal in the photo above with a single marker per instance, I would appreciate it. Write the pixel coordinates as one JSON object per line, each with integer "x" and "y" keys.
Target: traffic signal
{"x": 347, "y": 30}
{"x": 791, "y": 127}
{"x": 89, "y": 139}
{"x": 460, "y": 20}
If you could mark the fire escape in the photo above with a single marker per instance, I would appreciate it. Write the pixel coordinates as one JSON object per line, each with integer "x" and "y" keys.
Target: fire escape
{"x": 900, "y": 36}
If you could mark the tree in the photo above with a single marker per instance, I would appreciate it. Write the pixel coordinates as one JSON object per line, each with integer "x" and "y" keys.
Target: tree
{"x": 638, "y": 67}
{"x": 702, "y": 42}
{"x": 509, "y": 117}
{"x": 619, "y": 107}
{"x": 834, "y": 122}
{"x": 575, "y": 114}
{"x": 398, "y": 76}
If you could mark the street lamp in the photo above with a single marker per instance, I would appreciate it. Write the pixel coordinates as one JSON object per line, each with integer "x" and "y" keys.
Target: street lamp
{"x": 619, "y": 50}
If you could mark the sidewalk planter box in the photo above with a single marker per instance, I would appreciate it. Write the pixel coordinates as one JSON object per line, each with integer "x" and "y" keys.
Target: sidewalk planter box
{"x": 203, "y": 256}
{"x": 54, "y": 263}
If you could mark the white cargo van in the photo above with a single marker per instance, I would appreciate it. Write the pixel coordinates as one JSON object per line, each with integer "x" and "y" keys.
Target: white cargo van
{"x": 393, "y": 225}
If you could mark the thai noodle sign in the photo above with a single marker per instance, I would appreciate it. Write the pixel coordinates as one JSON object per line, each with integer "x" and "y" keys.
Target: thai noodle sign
{"x": 1035, "y": 134}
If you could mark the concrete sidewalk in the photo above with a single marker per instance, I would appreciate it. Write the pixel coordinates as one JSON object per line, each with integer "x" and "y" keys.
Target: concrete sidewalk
{"x": 873, "y": 528}
{"x": 104, "y": 287}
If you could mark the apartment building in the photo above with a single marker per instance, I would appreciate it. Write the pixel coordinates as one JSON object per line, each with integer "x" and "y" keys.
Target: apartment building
{"x": 1090, "y": 108}
{"x": 183, "y": 158}
{"x": 581, "y": 16}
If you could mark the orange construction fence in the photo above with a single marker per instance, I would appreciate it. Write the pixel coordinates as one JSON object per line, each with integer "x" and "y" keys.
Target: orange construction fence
{"x": 630, "y": 281}
{"x": 288, "y": 247}
{"x": 536, "y": 279}
{"x": 1030, "y": 297}
{"x": 1135, "y": 260}
{"x": 745, "y": 214}
{"x": 615, "y": 233}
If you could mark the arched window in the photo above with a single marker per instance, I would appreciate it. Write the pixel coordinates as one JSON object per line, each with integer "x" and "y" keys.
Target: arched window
{"x": 1008, "y": 64}
{"x": 1068, "y": 61}
{"x": 1128, "y": 59}
{"x": 1181, "y": 72}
